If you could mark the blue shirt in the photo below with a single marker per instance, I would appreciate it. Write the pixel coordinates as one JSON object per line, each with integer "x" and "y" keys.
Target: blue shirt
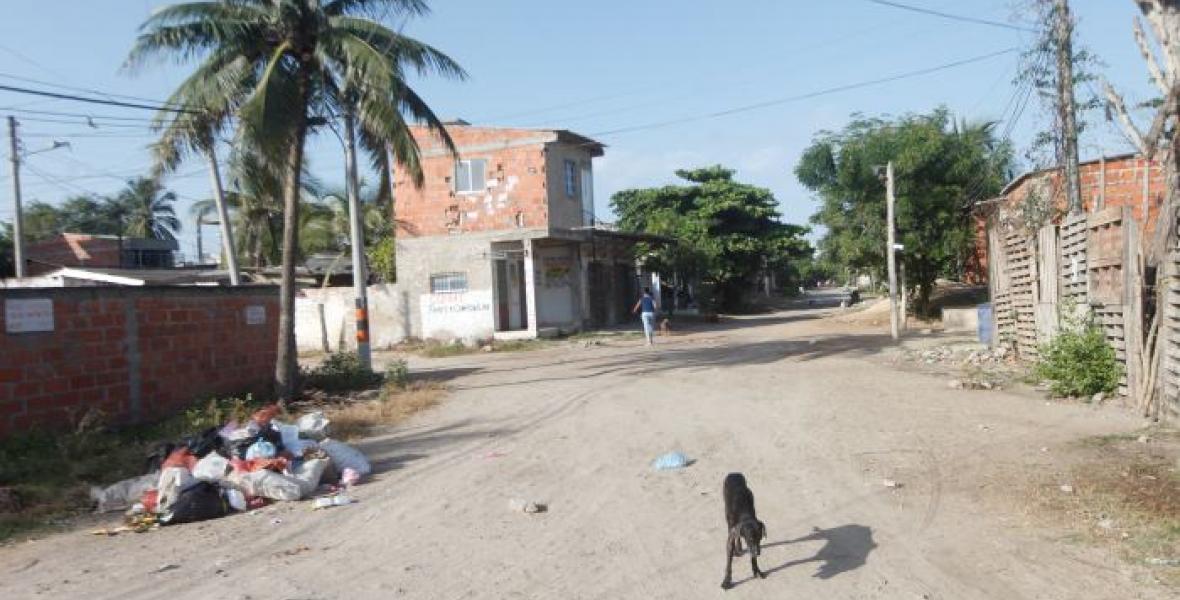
{"x": 647, "y": 304}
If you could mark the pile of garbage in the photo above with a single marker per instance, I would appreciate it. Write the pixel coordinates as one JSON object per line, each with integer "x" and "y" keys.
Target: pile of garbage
{"x": 238, "y": 467}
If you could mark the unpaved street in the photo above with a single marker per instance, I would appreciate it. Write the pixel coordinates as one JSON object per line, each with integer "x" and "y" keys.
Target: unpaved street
{"x": 816, "y": 417}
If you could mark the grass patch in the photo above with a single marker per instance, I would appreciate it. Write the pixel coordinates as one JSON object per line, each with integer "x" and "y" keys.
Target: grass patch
{"x": 352, "y": 420}
{"x": 1126, "y": 495}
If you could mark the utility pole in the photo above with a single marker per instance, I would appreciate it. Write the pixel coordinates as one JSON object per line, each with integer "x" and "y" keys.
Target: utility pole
{"x": 1066, "y": 111}
{"x": 227, "y": 238}
{"x": 359, "y": 278}
{"x": 18, "y": 241}
{"x": 890, "y": 249}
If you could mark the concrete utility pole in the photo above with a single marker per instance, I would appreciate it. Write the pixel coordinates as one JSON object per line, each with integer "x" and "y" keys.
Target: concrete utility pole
{"x": 18, "y": 241}
{"x": 356, "y": 226}
{"x": 890, "y": 250}
{"x": 227, "y": 237}
{"x": 1066, "y": 111}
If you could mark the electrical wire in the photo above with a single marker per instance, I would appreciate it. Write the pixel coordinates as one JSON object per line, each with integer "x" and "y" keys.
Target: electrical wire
{"x": 953, "y": 17}
{"x": 806, "y": 96}
{"x": 47, "y": 94}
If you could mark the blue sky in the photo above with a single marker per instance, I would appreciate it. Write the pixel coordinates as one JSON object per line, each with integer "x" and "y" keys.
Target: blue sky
{"x": 593, "y": 68}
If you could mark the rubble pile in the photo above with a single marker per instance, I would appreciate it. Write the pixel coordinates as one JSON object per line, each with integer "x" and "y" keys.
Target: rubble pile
{"x": 234, "y": 468}
{"x": 966, "y": 356}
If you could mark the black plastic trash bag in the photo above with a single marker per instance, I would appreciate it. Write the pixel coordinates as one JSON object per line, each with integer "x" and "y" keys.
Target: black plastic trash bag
{"x": 205, "y": 442}
{"x": 200, "y": 502}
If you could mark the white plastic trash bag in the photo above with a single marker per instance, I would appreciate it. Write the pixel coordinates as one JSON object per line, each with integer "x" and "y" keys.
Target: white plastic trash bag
{"x": 211, "y": 468}
{"x": 122, "y": 495}
{"x": 346, "y": 457}
{"x": 173, "y": 480}
{"x": 270, "y": 484}
{"x": 309, "y": 473}
{"x": 291, "y": 441}
{"x": 313, "y": 425}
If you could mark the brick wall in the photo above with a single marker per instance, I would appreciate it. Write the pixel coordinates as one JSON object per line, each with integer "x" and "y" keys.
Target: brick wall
{"x": 514, "y": 199}
{"x": 72, "y": 250}
{"x": 137, "y": 354}
{"x": 1117, "y": 182}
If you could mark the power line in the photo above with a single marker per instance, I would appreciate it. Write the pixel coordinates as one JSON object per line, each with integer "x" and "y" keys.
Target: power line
{"x": 796, "y": 98}
{"x": 58, "y": 113}
{"x": 81, "y": 89}
{"x": 953, "y": 17}
{"x": 23, "y": 90}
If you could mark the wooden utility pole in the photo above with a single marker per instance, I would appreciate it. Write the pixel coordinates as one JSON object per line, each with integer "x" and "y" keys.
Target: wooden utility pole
{"x": 890, "y": 249}
{"x": 18, "y": 240}
{"x": 1066, "y": 110}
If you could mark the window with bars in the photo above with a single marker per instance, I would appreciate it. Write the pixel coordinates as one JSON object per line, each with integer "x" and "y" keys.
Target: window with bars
{"x": 448, "y": 283}
{"x": 470, "y": 175}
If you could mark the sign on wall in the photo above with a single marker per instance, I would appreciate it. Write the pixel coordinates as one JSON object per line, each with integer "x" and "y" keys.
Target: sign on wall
{"x": 255, "y": 314}
{"x": 465, "y": 315}
{"x": 25, "y": 316}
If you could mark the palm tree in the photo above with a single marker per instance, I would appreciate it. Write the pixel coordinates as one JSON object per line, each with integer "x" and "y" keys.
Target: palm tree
{"x": 281, "y": 66}
{"x": 146, "y": 210}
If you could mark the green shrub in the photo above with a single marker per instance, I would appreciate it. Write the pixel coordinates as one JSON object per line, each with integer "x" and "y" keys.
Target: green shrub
{"x": 341, "y": 371}
{"x": 397, "y": 373}
{"x": 383, "y": 259}
{"x": 1079, "y": 362}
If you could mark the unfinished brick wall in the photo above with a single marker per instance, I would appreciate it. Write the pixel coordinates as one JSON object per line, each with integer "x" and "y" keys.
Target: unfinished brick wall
{"x": 136, "y": 354}
{"x": 516, "y": 193}
{"x": 1118, "y": 181}
{"x": 72, "y": 250}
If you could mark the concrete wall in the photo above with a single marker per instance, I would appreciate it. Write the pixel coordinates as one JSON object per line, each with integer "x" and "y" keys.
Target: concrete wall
{"x": 960, "y": 319}
{"x": 565, "y": 211}
{"x": 335, "y": 323}
{"x": 133, "y": 353}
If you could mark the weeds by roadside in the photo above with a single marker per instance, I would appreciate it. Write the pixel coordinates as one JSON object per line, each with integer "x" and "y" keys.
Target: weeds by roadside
{"x": 1123, "y": 491}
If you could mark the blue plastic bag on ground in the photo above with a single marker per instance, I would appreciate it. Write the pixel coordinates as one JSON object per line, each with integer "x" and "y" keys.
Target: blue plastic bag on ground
{"x": 671, "y": 460}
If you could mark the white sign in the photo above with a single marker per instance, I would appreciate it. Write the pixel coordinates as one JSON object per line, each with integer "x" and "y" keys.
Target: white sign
{"x": 467, "y": 315}
{"x": 255, "y": 314}
{"x": 24, "y": 316}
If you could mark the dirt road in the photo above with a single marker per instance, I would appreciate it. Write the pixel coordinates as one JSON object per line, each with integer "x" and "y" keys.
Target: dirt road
{"x": 814, "y": 416}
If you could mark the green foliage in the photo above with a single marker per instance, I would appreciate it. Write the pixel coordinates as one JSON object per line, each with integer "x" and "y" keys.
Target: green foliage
{"x": 142, "y": 209}
{"x": 341, "y": 371}
{"x": 1079, "y": 361}
{"x": 397, "y": 373}
{"x": 7, "y": 263}
{"x": 726, "y": 232}
{"x": 383, "y": 260}
{"x": 218, "y": 411}
{"x": 940, "y": 169}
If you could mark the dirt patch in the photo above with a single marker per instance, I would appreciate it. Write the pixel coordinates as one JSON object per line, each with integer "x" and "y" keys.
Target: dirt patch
{"x": 1120, "y": 491}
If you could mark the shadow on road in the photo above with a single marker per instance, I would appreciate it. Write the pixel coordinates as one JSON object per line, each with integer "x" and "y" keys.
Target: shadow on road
{"x": 395, "y": 450}
{"x": 845, "y": 548}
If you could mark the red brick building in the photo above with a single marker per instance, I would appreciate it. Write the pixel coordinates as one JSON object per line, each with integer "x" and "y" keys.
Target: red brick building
{"x": 98, "y": 251}
{"x": 502, "y": 240}
{"x": 1123, "y": 180}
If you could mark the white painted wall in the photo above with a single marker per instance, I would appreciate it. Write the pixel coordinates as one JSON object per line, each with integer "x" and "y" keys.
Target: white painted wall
{"x": 467, "y": 316}
{"x": 556, "y": 276}
{"x": 388, "y": 317}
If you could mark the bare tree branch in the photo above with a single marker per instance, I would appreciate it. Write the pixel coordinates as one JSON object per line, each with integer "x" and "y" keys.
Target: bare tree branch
{"x": 1153, "y": 66}
{"x": 1130, "y": 131}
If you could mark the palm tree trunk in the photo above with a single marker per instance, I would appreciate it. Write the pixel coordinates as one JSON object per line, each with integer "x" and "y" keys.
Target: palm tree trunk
{"x": 286, "y": 364}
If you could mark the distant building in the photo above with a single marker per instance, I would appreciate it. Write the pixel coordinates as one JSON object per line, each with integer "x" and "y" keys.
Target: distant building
{"x": 502, "y": 241}
{"x": 106, "y": 276}
{"x": 102, "y": 251}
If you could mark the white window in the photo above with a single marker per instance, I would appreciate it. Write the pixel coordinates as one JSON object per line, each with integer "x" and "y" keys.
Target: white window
{"x": 470, "y": 175}
{"x": 571, "y": 179}
{"x": 448, "y": 283}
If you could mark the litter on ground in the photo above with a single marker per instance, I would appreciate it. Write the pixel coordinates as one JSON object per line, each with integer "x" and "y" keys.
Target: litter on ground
{"x": 236, "y": 468}
{"x": 671, "y": 460}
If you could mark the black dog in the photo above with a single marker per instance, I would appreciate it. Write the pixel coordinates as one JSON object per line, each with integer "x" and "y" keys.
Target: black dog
{"x": 743, "y": 524}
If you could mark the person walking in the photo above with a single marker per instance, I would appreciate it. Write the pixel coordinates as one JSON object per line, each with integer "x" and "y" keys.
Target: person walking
{"x": 646, "y": 307}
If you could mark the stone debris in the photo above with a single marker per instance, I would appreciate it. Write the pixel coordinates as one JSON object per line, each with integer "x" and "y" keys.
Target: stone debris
{"x": 526, "y": 506}
{"x": 1066, "y": 488}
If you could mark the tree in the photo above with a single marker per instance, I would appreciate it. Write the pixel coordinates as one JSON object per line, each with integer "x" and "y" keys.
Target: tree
{"x": 941, "y": 169}
{"x": 7, "y": 263}
{"x": 146, "y": 210}
{"x": 282, "y": 66}
{"x": 726, "y": 233}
